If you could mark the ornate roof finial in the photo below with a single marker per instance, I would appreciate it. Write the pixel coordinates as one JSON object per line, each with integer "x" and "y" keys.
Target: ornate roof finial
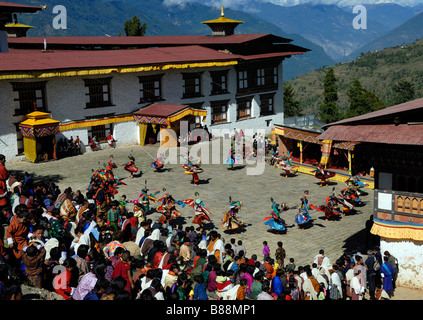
{"x": 222, "y": 14}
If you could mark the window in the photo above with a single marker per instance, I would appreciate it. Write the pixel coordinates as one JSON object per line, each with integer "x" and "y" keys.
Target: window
{"x": 244, "y": 108}
{"x": 192, "y": 85}
{"x": 100, "y": 132}
{"x": 219, "y": 111}
{"x": 29, "y": 97}
{"x": 267, "y": 104}
{"x": 260, "y": 77}
{"x": 242, "y": 79}
{"x": 267, "y": 76}
{"x": 97, "y": 92}
{"x": 219, "y": 82}
{"x": 150, "y": 88}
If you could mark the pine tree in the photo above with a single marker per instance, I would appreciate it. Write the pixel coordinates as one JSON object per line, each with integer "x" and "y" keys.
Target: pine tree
{"x": 362, "y": 100}
{"x": 328, "y": 110}
{"x": 133, "y": 27}
{"x": 291, "y": 106}
{"x": 403, "y": 92}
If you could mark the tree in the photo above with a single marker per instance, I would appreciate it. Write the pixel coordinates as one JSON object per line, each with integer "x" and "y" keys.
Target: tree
{"x": 403, "y": 92}
{"x": 291, "y": 106}
{"x": 133, "y": 27}
{"x": 328, "y": 110}
{"x": 362, "y": 100}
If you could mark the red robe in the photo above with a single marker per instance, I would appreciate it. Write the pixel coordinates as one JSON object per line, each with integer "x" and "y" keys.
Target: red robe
{"x": 17, "y": 232}
{"x": 4, "y": 175}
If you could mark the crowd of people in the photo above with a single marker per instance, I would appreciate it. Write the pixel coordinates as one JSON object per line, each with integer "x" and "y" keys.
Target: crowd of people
{"x": 87, "y": 246}
{"x": 68, "y": 147}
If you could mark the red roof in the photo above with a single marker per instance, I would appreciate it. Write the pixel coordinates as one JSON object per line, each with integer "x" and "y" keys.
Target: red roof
{"x": 16, "y": 7}
{"x": 379, "y": 114}
{"x": 149, "y": 40}
{"x": 405, "y": 134}
{"x": 36, "y": 60}
{"x": 161, "y": 110}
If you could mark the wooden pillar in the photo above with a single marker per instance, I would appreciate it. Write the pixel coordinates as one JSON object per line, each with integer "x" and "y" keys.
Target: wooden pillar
{"x": 350, "y": 162}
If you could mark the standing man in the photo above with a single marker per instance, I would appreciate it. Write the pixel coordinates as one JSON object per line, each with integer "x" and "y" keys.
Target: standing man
{"x": 4, "y": 175}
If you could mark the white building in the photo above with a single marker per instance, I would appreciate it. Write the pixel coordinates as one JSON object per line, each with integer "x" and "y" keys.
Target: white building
{"x": 236, "y": 79}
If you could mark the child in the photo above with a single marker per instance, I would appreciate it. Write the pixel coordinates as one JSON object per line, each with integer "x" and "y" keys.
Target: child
{"x": 62, "y": 281}
{"x": 322, "y": 292}
{"x": 291, "y": 265}
{"x": 122, "y": 204}
{"x": 199, "y": 289}
{"x": 33, "y": 259}
{"x": 224, "y": 282}
{"x": 123, "y": 269}
{"x": 113, "y": 216}
{"x": 243, "y": 285}
{"x": 280, "y": 254}
{"x": 266, "y": 250}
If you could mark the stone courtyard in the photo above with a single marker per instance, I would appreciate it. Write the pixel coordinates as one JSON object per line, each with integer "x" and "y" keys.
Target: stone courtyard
{"x": 217, "y": 184}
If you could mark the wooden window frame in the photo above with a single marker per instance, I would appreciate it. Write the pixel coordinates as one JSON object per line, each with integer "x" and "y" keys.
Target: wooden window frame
{"x": 266, "y": 108}
{"x": 244, "y": 107}
{"x": 151, "y": 88}
{"x": 219, "y": 111}
{"x": 29, "y": 97}
{"x": 97, "y": 89}
{"x": 219, "y": 82}
{"x": 192, "y": 85}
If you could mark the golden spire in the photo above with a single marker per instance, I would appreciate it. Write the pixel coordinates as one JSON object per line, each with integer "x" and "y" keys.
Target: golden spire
{"x": 222, "y": 14}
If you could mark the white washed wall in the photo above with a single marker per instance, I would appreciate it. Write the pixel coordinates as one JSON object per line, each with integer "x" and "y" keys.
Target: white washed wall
{"x": 66, "y": 102}
{"x": 410, "y": 260}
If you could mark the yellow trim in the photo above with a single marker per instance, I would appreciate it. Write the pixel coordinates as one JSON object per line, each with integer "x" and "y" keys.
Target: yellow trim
{"x": 222, "y": 20}
{"x": 92, "y": 123}
{"x": 17, "y": 25}
{"x": 279, "y": 131}
{"x": 89, "y": 72}
{"x": 186, "y": 112}
{"x": 398, "y": 231}
{"x": 337, "y": 177}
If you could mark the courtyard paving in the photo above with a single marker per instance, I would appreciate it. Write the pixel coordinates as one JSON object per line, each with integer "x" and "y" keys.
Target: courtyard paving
{"x": 217, "y": 185}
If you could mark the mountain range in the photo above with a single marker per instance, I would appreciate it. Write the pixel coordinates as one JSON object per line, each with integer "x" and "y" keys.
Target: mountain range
{"x": 377, "y": 71}
{"x": 325, "y": 29}
{"x": 106, "y": 18}
{"x": 331, "y": 25}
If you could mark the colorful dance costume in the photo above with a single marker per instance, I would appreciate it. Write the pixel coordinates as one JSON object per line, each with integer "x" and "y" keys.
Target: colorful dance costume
{"x": 168, "y": 209}
{"x": 275, "y": 221}
{"x": 194, "y": 169}
{"x": 230, "y": 220}
{"x": 201, "y": 213}
{"x": 130, "y": 166}
{"x": 322, "y": 174}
